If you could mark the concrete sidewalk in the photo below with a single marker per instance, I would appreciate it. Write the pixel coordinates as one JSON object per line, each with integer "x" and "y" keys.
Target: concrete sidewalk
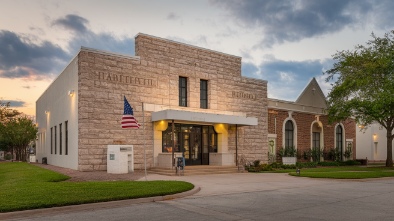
{"x": 287, "y": 196}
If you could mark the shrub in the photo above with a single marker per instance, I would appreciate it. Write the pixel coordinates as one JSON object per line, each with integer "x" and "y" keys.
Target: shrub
{"x": 275, "y": 165}
{"x": 256, "y": 163}
{"x": 329, "y": 164}
{"x": 288, "y": 152}
{"x": 307, "y": 155}
{"x": 306, "y": 165}
{"x": 348, "y": 151}
{"x": 316, "y": 153}
{"x": 8, "y": 157}
{"x": 334, "y": 154}
{"x": 350, "y": 163}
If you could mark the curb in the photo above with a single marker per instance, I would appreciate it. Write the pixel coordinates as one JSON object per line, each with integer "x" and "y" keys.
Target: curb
{"x": 92, "y": 206}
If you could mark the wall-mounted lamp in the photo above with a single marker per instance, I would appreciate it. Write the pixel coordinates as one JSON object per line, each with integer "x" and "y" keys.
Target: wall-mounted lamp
{"x": 375, "y": 138}
{"x": 46, "y": 112}
{"x": 71, "y": 93}
{"x": 361, "y": 126}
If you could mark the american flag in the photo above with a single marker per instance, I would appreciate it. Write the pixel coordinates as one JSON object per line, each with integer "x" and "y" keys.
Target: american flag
{"x": 128, "y": 120}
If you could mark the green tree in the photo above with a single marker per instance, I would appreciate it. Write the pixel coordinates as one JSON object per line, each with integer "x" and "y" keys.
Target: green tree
{"x": 18, "y": 133}
{"x": 6, "y": 114}
{"x": 364, "y": 86}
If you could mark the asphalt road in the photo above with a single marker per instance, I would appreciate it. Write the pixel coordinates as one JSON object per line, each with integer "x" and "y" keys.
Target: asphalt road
{"x": 248, "y": 196}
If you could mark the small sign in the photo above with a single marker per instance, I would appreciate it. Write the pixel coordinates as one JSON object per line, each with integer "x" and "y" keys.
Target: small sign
{"x": 112, "y": 156}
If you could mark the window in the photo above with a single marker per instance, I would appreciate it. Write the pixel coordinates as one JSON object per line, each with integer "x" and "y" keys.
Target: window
{"x": 204, "y": 94}
{"x": 339, "y": 141}
{"x": 182, "y": 91}
{"x": 60, "y": 141}
{"x": 289, "y": 134}
{"x": 316, "y": 140}
{"x": 66, "y": 137}
{"x": 55, "y": 141}
{"x": 51, "y": 140}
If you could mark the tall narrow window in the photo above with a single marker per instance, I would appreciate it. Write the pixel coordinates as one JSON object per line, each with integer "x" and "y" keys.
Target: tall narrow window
{"x": 204, "y": 94}
{"x": 339, "y": 141}
{"x": 51, "y": 140}
{"x": 60, "y": 140}
{"x": 289, "y": 134}
{"x": 182, "y": 91}
{"x": 66, "y": 137}
{"x": 316, "y": 140}
{"x": 55, "y": 140}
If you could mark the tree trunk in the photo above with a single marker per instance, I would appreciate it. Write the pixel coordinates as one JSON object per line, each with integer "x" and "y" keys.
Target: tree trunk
{"x": 389, "y": 160}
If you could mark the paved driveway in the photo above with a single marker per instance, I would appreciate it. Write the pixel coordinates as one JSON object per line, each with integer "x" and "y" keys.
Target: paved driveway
{"x": 248, "y": 196}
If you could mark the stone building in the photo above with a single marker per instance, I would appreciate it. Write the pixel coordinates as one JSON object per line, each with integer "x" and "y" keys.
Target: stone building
{"x": 303, "y": 124}
{"x": 195, "y": 95}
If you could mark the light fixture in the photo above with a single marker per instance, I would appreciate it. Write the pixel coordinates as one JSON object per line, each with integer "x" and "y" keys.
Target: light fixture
{"x": 46, "y": 112}
{"x": 71, "y": 93}
{"x": 375, "y": 138}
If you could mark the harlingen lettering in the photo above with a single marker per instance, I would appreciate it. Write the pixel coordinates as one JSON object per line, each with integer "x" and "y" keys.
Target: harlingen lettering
{"x": 125, "y": 79}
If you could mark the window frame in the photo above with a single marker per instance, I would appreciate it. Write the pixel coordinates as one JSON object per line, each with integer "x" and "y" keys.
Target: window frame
{"x": 51, "y": 140}
{"x": 55, "y": 127}
{"x": 288, "y": 131}
{"x": 182, "y": 91}
{"x": 60, "y": 139}
{"x": 66, "y": 137}
{"x": 203, "y": 94}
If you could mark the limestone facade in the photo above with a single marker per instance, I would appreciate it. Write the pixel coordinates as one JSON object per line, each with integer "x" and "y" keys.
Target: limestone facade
{"x": 149, "y": 80}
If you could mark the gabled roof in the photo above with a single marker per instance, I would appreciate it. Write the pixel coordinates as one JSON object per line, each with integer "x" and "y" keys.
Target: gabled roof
{"x": 312, "y": 95}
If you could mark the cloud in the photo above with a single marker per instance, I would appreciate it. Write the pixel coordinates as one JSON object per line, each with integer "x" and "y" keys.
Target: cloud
{"x": 291, "y": 20}
{"x": 286, "y": 79}
{"x": 21, "y": 58}
{"x": 14, "y": 103}
{"x": 83, "y": 36}
{"x": 72, "y": 22}
{"x": 172, "y": 16}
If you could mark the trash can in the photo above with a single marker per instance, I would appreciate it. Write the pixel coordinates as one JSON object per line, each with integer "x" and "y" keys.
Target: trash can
{"x": 44, "y": 160}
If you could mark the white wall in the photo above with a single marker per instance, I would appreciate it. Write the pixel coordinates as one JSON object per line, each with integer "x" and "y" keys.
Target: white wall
{"x": 367, "y": 147}
{"x": 60, "y": 107}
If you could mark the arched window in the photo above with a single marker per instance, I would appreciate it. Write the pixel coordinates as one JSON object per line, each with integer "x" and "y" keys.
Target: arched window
{"x": 339, "y": 139}
{"x": 289, "y": 134}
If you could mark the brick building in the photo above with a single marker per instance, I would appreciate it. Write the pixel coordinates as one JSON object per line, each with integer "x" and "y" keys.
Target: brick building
{"x": 304, "y": 125}
{"x": 194, "y": 94}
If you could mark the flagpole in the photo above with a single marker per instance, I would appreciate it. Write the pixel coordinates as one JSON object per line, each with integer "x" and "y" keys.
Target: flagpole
{"x": 143, "y": 122}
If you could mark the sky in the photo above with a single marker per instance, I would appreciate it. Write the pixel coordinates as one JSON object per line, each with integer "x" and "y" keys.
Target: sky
{"x": 286, "y": 42}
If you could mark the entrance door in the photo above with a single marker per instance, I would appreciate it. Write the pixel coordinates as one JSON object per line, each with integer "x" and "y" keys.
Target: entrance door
{"x": 195, "y": 142}
{"x": 192, "y": 145}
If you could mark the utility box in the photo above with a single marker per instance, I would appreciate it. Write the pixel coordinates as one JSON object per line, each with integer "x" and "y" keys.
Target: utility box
{"x": 32, "y": 158}
{"x": 120, "y": 159}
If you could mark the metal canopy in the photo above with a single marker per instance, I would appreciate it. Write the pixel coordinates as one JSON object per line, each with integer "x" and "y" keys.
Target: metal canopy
{"x": 180, "y": 115}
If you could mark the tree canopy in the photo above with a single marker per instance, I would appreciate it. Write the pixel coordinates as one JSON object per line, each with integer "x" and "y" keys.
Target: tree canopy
{"x": 364, "y": 85}
{"x": 16, "y": 131}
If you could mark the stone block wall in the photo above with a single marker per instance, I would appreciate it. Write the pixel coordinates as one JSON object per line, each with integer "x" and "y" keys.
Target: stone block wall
{"x": 152, "y": 77}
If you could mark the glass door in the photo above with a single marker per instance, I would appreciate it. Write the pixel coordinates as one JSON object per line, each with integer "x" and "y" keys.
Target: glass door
{"x": 195, "y": 145}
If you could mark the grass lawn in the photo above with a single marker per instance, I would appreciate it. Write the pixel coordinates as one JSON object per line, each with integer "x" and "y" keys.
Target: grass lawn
{"x": 25, "y": 186}
{"x": 345, "y": 172}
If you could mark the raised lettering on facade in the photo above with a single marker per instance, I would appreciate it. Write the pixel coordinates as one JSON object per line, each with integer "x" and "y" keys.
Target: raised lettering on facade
{"x": 240, "y": 94}
{"x": 125, "y": 79}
